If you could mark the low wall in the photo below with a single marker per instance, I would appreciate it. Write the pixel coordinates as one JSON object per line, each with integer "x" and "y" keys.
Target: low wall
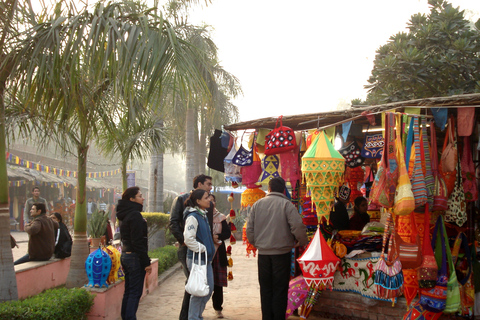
{"x": 108, "y": 301}
{"x": 35, "y": 277}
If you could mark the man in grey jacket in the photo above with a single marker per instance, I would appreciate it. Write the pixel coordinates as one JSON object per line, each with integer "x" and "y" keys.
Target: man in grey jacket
{"x": 274, "y": 227}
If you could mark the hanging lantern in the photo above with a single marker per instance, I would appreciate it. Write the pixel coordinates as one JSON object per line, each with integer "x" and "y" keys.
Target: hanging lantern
{"x": 322, "y": 168}
{"x": 251, "y": 195}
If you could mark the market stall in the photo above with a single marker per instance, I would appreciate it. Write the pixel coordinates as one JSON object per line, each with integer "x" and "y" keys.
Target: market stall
{"x": 392, "y": 188}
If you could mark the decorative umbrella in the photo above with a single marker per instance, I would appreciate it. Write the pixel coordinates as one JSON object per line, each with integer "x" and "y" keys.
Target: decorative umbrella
{"x": 318, "y": 264}
{"x": 297, "y": 293}
{"x": 323, "y": 168}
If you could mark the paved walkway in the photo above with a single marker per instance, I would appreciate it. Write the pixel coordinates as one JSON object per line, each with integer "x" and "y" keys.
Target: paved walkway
{"x": 241, "y": 297}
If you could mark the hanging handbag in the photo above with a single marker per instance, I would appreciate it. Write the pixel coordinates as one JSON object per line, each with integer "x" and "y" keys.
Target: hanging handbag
{"x": 440, "y": 193}
{"x": 435, "y": 299}
{"x": 280, "y": 139}
{"x": 197, "y": 284}
{"x": 410, "y": 253}
{"x": 457, "y": 206}
{"x": 465, "y": 121}
{"x": 428, "y": 271}
{"x": 388, "y": 271}
{"x": 449, "y": 159}
{"x": 418, "y": 179}
{"x": 404, "y": 200}
{"x": 418, "y": 312}
{"x": 468, "y": 172}
{"x": 243, "y": 157}
{"x": 453, "y": 287}
{"x": 369, "y": 182}
{"x": 373, "y": 145}
{"x": 385, "y": 183}
{"x": 352, "y": 155}
{"x": 465, "y": 281}
{"x": 426, "y": 163}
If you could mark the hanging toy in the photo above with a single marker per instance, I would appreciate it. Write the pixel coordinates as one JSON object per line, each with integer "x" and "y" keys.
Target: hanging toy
{"x": 232, "y": 212}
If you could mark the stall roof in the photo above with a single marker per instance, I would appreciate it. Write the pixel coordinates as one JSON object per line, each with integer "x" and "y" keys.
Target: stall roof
{"x": 327, "y": 119}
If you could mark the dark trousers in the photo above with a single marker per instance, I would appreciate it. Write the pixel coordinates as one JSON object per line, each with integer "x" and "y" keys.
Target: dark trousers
{"x": 182, "y": 257}
{"x": 273, "y": 276}
{"x": 217, "y": 298}
{"x": 23, "y": 259}
{"x": 134, "y": 278}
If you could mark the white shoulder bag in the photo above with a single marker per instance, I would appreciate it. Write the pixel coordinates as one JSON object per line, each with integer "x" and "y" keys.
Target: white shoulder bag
{"x": 197, "y": 284}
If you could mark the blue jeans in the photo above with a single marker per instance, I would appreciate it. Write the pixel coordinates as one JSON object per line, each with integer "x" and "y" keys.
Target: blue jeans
{"x": 134, "y": 278}
{"x": 197, "y": 304}
{"x": 23, "y": 259}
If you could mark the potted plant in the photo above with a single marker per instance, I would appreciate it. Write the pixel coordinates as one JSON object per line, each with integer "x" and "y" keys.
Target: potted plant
{"x": 97, "y": 225}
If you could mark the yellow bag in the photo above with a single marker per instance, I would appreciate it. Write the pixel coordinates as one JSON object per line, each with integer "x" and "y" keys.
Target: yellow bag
{"x": 404, "y": 202}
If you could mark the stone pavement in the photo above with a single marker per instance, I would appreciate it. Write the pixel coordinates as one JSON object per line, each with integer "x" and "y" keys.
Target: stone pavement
{"x": 241, "y": 297}
{"x": 22, "y": 242}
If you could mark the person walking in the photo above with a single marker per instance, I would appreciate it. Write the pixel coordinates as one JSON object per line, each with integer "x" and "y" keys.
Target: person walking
{"x": 134, "y": 259}
{"x": 274, "y": 227}
{"x": 177, "y": 224}
{"x": 221, "y": 232}
{"x": 41, "y": 231}
{"x": 198, "y": 239}
{"x": 29, "y": 203}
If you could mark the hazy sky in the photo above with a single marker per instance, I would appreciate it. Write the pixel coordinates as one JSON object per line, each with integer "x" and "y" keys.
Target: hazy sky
{"x": 305, "y": 56}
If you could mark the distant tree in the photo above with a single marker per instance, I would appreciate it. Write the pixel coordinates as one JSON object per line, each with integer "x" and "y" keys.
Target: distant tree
{"x": 438, "y": 56}
{"x": 358, "y": 102}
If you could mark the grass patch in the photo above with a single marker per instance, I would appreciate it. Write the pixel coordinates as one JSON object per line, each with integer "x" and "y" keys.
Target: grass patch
{"x": 167, "y": 257}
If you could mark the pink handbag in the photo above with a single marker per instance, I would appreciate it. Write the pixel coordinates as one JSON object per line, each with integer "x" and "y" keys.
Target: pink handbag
{"x": 468, "y": 172}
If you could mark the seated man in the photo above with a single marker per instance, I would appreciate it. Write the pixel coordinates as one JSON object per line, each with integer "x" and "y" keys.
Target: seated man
{"x": 41, "y": 231}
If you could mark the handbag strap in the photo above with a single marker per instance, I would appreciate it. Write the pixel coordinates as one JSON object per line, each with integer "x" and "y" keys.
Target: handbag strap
{"x": 408, "y": 149}
{"x": 281, "y": 122}
{"x": 459, "y": 241}
{"x": 433, "y": 148}
{"x": 386, "y": 232}
{"x": 427, "y": 246}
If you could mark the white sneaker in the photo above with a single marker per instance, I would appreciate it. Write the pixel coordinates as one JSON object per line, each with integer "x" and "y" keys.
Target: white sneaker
{"x": 219, "y": 314}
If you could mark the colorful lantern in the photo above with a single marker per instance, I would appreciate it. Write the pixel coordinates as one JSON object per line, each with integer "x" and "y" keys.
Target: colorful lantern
{"x": 251, "y": 195}
{"x": 323, "y": 168}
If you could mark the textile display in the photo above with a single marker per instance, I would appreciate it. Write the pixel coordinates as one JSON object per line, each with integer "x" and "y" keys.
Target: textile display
{"x": 467, "y": 291}
{"x": 251, "y": 174}
{"x": 448, "y": 162}
{"x": 428, "y": 271}
{"x": 297, "y": 293}
{"x": 457, "y": 206}
{"x": 251, "y": 195}
{"x": 243, "y": 157}
{"x": 418, "y": 312}
{"x": 440, "y": 193}
{"x": 289, "y": 167}
{"x": 226, "y": 140}
{"x": 453, "y": 287}
{"x": 465, "y": 121}
{"x": 440, "y": 115}
{"x": 323, "y": 169}
{"x": 346, "y": 129}
{"x": 280, "y": 139}
{"x": 356, "y": 275}
{"x": 373, "y": 145}
{"x": 352, "y": 155}
{"x": 409, "y": 248}
{"x": 232, "y": 171}
{"x": 425, "y": 152}
{"x": 410, "y": 285}
{"x": 468, "y": 172}
{"x": 270, "y": 166}
{"x": 217, "y": 152}
{"x": 418, "y": 179}
{"x": 353, "y": 176}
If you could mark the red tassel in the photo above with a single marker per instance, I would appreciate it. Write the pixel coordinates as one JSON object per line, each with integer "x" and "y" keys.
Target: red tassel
{"x": 234, "y": 185}
{"x": 232, "y": 213}
{"x": 232, "y": 239}
{"x": 232, "y": 227}
{"x": 229, "y": 250}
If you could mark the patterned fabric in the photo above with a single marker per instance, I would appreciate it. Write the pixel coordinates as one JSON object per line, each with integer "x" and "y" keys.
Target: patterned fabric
{"x": 457, "y": 206}
{"x": 373, "y": 145}
{"x": 352, "y": 155}
{"x": 243, "y": 157}
{"x": 411, "y": 285}
{"x": 219, "y": 272}
{"x": 280, "y": 139}
{"x": 232, "y": 171}
{"x": 425, "y": 152}
{"x": 418, "y": 179}
{"x": 468, "y": 172}
{"x": 417, "y": 312}
{"x": 270, "y": 165}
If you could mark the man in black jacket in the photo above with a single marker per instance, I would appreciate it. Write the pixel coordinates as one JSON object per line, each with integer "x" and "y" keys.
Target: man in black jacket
{"x": 177, "y": 225}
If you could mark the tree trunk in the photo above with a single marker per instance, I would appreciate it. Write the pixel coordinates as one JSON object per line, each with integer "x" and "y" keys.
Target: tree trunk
{"x": 77, "y": 276}
{"x": 124, "y": 175}
{"x": 155, "y": 184}
{"x": 8, "y": 281}
{"x": 190, "y": 148}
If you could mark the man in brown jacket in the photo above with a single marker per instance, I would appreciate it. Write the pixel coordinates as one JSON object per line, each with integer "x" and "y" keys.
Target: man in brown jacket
{"x": 274, "y": 227}
{"x": 41, "y": 231}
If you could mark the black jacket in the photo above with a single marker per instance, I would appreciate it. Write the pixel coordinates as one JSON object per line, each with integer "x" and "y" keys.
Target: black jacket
{"x": 63, "y": 248}
{"x": 222, "y": 250}
{"x": 133, "y": 230}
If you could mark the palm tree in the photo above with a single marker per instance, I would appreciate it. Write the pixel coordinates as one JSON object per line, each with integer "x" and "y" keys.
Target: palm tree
{"x": 73, "y": 65}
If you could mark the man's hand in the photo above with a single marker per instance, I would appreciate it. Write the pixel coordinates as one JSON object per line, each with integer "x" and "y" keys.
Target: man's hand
{"x": 148, "y": 269}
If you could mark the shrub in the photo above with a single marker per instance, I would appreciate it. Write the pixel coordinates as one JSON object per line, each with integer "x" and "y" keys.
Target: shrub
{"x": 167, "y": 257}
{"x": 155, "y": 221}
{"x": 169, "y": 238}
{"x": 52, "y": 304}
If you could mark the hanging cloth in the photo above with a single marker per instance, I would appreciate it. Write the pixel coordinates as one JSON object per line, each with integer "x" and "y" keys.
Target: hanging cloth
{"x": 289, "y": 168}
{"x": 270, "y": 166}
{"x": 217, "y": 152}
{"x": 425, "y": 152}
{"x": 232, "y": 171}
{"x": 418, "y": 179}
{"x": 468, "y": 171}
{"x": 465, "y": 121}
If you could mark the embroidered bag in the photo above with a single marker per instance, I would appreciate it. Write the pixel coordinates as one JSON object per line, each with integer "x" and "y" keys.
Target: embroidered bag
{"x": 456, "y": 211}
{"x": 280, "y": 139}
{"x": 243, "y": 157}
{"x": 440, "y": 193}
{"x": 465, "y": 121}
{"x": 453, "y": 287}
{"x": 352, "y": 155}
{"x": 418, "y": 312}
{"x": 449, "y": 158}
{"x": 467, "y": 292}
{"x": 435, "y": 299}
{"x": 385, "y": 183}
{"x": 270, "y": 166}
{"x": 418, "y": 179}
{"x": 388, "y": 271}
{"x": 369, "y": 182}
{"x": 428, "y": 272}
{"x": 404, "y": 199}
{"x": 373, "y": 145}
{"x": 426, "y": 162}
{"x": 468, "y": 172}
{"x": 410, "y": 253}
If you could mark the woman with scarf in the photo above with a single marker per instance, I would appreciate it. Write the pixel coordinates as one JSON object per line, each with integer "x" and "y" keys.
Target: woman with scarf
{"x": 198, "y": 239}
